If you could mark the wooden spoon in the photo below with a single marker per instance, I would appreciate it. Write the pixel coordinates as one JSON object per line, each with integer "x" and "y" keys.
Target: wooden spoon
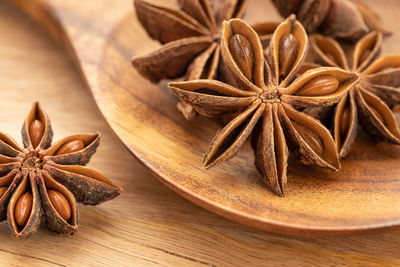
{"x": 102, "y": 36}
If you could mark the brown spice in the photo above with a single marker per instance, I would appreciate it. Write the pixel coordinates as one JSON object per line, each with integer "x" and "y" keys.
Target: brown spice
{"x": 266, "y": 107}
{"x": 41, "y": 179}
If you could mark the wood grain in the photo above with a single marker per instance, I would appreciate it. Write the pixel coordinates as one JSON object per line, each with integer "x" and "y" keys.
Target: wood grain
{"x": 102, "y": 36}
{"x": 148, "y": 225}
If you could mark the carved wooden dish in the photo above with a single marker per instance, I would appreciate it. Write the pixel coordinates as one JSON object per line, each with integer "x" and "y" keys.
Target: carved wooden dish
{"x": 103, "y": 35}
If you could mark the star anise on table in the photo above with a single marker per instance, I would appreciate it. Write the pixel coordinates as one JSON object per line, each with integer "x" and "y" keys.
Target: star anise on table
{"x": 372, "y": 98}
{"x": 44, "y": 179}
{"x": 265, "y": 94}
{"x": 343, "y": 19}
{"x": 191, "y": 38}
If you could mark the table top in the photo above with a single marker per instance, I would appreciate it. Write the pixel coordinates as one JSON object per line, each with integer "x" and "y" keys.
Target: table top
{"x": 148, "y": 225}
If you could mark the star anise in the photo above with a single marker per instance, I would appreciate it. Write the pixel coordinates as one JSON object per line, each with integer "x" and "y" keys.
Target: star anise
{"x": 371, "y": 98}
{"x": 264, "y": 94}
{"x": 344, "y": 19}
{"x": 43, "y": 179}
{"x": 192, "y": 40}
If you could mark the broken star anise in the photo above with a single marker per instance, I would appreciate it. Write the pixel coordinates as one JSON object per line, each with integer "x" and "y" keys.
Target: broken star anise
{"x": 265, "y": 95}
{"x": 344, "y": 19}
{"x": 191, "y": 38}
{"x": 43, "y": 179}
{"x": 372, "y": 98}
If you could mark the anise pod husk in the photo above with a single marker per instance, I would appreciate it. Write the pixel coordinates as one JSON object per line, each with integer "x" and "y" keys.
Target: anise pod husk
{"x": 257, "y": 84}
{"x": 191, "y": 38}
{"x": 382, "y": 78}
{"x": 345, "y": 138}
{"x": 270, "y": 149}
{"x": 377, "y": 117}
{"x": 344, "y": 21}
{"x": 171, "y": 60}
{"x": 37, "y": 113}
{"x": 312, "y": 13}
{"x": 11, "y": 180}
{"x": 166, "y": 24}
{"x": 8, "y": 146}
{"x": 377, "y": 75}
{"x": 340, "y": 19}
{"x": 227, "y": 9}
{"x": 287, "y": 7}
{"x": 28, "y": 184}
{"x": 56, "y": 222}
{"x": 345, "y": 80}
{"x": 81, "y": 157}
{"x": 326, "y": 51}
{"x": 87, "y": 185}
{"x": 22, "y": 173}
{"x": 371, "y": 19}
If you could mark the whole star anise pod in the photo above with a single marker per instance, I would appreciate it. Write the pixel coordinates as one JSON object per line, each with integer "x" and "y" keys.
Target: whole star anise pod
{"x": 344, "y": 19}
{"x": 265, "y": 95}
{"x": 192, "y": 40}
{"x": 372, "y": 98}
{"x": 43, "y": 179}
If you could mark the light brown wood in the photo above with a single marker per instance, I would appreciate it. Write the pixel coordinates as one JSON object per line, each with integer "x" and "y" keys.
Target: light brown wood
{"x": 102, "y": 36}
{"x": 149, "y": 224}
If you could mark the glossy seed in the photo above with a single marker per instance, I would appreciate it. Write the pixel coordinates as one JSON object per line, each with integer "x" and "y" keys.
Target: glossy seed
{"x": 60, "y": 203}
{"x": 70, "y": 147}
{"x": 23, "y": 209}
{"x": 3, "y": 191}
{"x": 36, "y": 130}
{"x": 288, "y": 50}
{"x": 242, "y": 53}
{"x": 344, "y": 122}
{"x": 319, "y": 86}
{"x": 311, "y": 138}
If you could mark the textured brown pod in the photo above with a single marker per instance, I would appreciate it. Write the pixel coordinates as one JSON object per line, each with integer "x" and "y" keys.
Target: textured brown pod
{"x": 371, "y": 97}
{"x": 55, "y": 220}
{"x": 235, "y": 26}
{"x": 81, "y": 157}
{"x": 345, "y": 124}
{"x": 10, "y": 182}
{"x": 270, "y": 149}
{"x": 37, "y": 114}
{"x": 8, "y": 146}
{"x": 294, "y": 28}
{"x": 28, "y": 191}
{"x": 324, "y": 154}
{"x": 27, "y": 185}
{"x": 191, "y": 38}
{"x": 227, "y": 142}
{"x": 327, "y": 52}
{"x": 87, "y": 185}
{"x": 296, "y": 95}
{"x": 343, "y": 19}
{"x": 312, "y": 13}
{"x": 376, "y": 117}
{"x": 218, "y": 102}
{"x": 261, "y": 98}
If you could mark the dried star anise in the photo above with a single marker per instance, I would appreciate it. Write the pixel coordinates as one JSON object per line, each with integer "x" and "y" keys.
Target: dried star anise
{"x": 265, "y": 93}
{"x": 192, "y": 40}
{"x": 344, "y": 19}
{"x": 43, "y": 179}
{"x": 372, "y": 98}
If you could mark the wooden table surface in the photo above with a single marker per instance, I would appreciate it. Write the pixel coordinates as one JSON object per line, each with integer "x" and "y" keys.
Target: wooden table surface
{"x": 148, "y": 225}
